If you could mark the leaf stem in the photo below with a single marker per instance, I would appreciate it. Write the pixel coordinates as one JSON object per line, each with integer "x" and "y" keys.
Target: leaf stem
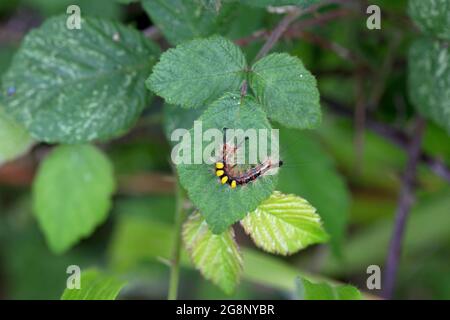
{"x": 175, "y": 263}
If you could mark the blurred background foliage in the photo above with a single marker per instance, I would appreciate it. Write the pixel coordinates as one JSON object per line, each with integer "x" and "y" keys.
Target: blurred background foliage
{"x": 355, "y": 188}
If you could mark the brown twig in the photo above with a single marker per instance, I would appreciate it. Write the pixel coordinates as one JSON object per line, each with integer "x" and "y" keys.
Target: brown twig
{"x": 393, "y": 135}
{"x": 289, "y": 18}
{"x": 277, "y": 32}
{"x": 405, "y": 202}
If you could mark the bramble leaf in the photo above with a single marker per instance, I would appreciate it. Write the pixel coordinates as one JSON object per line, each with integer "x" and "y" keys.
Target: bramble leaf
{"x": 429, "y": 80}
{"x": 72, "y": 194}
{"x": 432, "y": 17}
{"x": 288, "y": 92}
{"x": 284, "y": 224}
{"x": 219, "y": 204}
{"x": 307, "y": 290}
{"x": 198, "y": 72}
{"x": 181, "y": 20}
{"x": 95, "y": 285}
{"x": 79, "y": 85}
{"x": 215, "y": 255}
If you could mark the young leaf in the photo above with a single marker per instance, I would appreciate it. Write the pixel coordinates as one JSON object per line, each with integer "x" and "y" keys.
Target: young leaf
{"x": 95, "y": 285}
{"x": 219, "y": 204}
{"x": 72, "y": 194}
{"x": 198, "y": 72}
{"x": 181, "y": 20}
{"x": 215, "y": 255}
{"x": 284, "y": 224}
{"x": 307, "y": 290}
{"x": 307, "y": 166}
{"x": 14, "y": 140}
{"x": 432, "y": 17}
{"x": 79, "y": 85}
{"x": 287, "y": 91}
{"x": 429, "y": 80}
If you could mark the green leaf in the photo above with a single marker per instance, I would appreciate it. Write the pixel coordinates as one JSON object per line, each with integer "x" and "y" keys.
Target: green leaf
{"x": 79, "y": 85}
{"x": 276, "y": 3}
{"x": 99, "y": 8}
{"x": 181, "y": 20}
{"x": 307, "y": 167}
{"x": 179, "y": 118}
{"x": 307, "y": 290}
{"x": 432, "y": 17}
{"x": 215, "y": 255}
{"x": 219, "y": 204}
{"x": 72, "y": 194}
{"x": 287, "y": 91}
{"x": 429, "y": 80}
{"x": 14, "y": 139}
{"x": 95, "y": 285}
{"x": 284, "y": 224}
{"x": 198, "y": 72}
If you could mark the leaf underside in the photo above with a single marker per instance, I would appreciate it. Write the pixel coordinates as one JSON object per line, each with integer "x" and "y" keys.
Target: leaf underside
{"x": 215, "y": 255}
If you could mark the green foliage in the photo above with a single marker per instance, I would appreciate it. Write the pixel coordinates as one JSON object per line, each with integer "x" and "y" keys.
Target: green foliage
{"x": 308, "y": 166}
{"x": 432, "y": 16}
{"x": 369, "y": 245}
{"x": 181, "y": 20}
{"x": 98, "y": 8}
{"x": 219, "y": 204}
{"x": 307, "y": 290}
{"x": 14, "y": 140}
{"x": 284, "y": 224}
{"x": 198, "y": 72}
{"x": 429, "y": 80}
{"x": 178, "y": 118}
{"x": 216, "y": 256}
{"x": 72, "y": 194}
{"x": 95, "y": 285}
{"x": 287, "y": 90}
{"x": 265, "y": 3}
{"x": 88, "y": 84}
{"x": 139, "y": 223}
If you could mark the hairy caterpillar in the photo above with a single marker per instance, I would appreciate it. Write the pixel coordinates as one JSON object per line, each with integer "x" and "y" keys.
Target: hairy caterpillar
{"x": 227, "y": 174}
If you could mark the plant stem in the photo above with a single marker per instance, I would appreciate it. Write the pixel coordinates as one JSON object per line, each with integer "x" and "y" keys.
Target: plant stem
{"x": 405, "y": 202}
{"x": 175, "y": 263}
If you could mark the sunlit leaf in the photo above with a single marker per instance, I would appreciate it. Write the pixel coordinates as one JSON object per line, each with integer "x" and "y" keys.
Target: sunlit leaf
{"x": 284, "y": 224}
{"x": 215, "y": 255}
{"x": 95, "y": 285}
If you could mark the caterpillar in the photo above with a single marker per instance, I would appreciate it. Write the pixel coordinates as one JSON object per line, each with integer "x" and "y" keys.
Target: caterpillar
{"x": 224, "y": 170}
